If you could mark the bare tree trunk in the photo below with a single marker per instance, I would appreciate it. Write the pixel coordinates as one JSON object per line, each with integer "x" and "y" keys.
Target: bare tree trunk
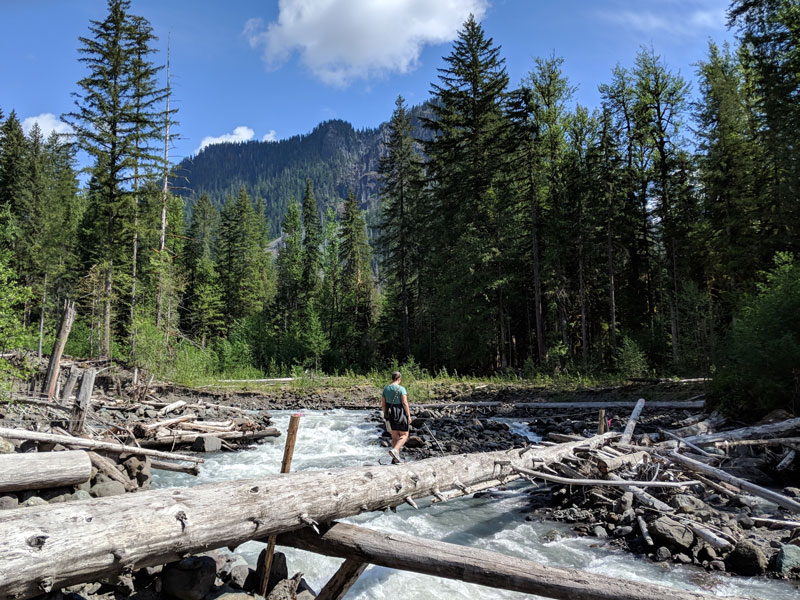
{"x": 40, "y": 470}
{"x": 162, "y": 240}
{"x": 67, "y": 318}
{"x": 105, "y": 351}
{"x": 41, "y": 316}
{"x": 612, "y": 290}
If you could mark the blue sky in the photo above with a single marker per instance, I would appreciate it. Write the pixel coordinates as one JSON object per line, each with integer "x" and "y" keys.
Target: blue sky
{"x": 270, "y": 69}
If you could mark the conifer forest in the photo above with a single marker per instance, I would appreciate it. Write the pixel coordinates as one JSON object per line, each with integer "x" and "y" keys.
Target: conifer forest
{"x": 498, "y": 228}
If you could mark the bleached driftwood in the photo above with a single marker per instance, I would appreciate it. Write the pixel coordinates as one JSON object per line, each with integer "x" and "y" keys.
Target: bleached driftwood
{"x": 757, "y": 431}
{"x": 632, "y": 421}
{"x": 39, "y": 470}
{"x": 159, "y": 526}
{"x": 473, "y": 565}
{"x": 76, "y": 442}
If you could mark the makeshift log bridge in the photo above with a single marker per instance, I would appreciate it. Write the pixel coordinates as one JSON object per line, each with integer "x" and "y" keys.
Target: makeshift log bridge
{"x": 48, "y": 547}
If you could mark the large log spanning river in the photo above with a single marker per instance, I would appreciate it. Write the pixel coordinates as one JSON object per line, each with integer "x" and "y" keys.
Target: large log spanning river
{"x": 348, "y": 438}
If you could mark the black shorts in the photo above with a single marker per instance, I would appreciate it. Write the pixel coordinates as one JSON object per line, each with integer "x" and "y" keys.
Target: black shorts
{"x": 397, "y": 417}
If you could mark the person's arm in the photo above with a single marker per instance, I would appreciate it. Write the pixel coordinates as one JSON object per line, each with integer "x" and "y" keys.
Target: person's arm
{"x": 383, "y": 407}
{"x": 406, "y": 408}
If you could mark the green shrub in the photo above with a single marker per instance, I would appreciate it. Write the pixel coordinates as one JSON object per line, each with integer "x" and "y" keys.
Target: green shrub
{"x": 760, "y": 365}
{"x": 631, "y": 361}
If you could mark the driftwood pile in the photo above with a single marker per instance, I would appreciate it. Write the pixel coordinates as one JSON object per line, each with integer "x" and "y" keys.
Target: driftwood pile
{"x": 686, "y": 495}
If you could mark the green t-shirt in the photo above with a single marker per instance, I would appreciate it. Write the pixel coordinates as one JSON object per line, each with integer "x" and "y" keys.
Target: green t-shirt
{"x": 391, "y": 391}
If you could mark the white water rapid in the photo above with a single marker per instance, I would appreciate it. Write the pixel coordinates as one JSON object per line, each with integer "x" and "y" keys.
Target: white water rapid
{"x": 343, "y": 438}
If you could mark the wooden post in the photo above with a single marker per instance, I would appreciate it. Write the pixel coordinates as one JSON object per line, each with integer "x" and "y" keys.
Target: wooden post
{"x": 343, "y": 579}
{"x": 81, "y": 406}
{"x": 601, "y": 422}
{"x": 628, "y": 433}
{"x": 67, "y": 318}
{"x": 265, "y": 560}
{"x": 70, "y": 385}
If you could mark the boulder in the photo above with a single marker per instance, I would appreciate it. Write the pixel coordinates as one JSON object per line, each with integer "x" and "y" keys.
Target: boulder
{"x": 746, "y": 559}
{"x": 787, "y": 562}
{"x": 207, "y": 444}
{"x": 236, "y": 571}
{"x": 415, "y": 442}
{"x": 34, "y": 501}
{"x": 80, "y": 495}
{"x": 624, "y": 503}
{"x": 7, "y": 502}
{"x": 685, "y": 503}
{"x": 189, "y": 579}
{"x": 286, "y": 589}
{"x": 663, "y": 553}
{"x": 6, "y": 447}
{"x": 670, "y": 533}
{"x": 107, "y": 488}
{"x": 623, "y": 531}
{"x": 599, "y": 532}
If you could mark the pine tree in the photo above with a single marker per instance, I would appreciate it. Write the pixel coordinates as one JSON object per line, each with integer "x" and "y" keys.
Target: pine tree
{"x": 290, "y": 268}
{"x": 330, "y": 300}
{"x": 401, "y": 173}
{"x": 111, "y": 123}
{"x": 312, "y": 240}
{"x": 357, "y": 287}
{"x": 240, "y": 257}
{"x": 467, "y": 162}
{"x": 13, "y": 172}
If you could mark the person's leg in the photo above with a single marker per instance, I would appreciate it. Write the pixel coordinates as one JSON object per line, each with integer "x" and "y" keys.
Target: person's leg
{"x": 402, "y": 438}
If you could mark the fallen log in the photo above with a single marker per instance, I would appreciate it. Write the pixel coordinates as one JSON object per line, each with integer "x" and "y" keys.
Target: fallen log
{"x": 680, "y": 441}
{"x": 673, "y": 404}
{"x": 473, "y": 565}
{"x": 626, "y": 460}
{"x": 632, "y": 421}
{"x": 39, "y": 470}
{"x": 757, "y": 431}
{"x": 38, "y": 436}
{"x": 189, "y": 438}
{"x": 166, "y": 465}
{"x": 47, "y": 547}
{"x": 756, "y": 490}
{"x": 644, "y": 497}
{"x": 168, "y": 422}
{"x": 602, "y": 482}
{"x": 707, "y": 425}
{"x": 342, "y": 580}
{"x": 109, "y": 467}
{"x": 790, "y": 441}
{"x": 776, "y": 523}
{"x": 171, "y": 407}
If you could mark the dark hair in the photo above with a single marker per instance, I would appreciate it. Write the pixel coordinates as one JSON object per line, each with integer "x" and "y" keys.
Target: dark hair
{"x": 395, "y": 375}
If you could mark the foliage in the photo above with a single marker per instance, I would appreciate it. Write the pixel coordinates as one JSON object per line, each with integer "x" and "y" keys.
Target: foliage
{"x": 12, "y": 332}
{"x": 631, "y": 361}
{"x": 760, "y": 369}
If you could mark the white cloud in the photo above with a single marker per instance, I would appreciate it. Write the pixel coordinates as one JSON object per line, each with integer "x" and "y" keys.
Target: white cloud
{"x": 676, "y": 17}
{"x": 344, "y": 40}
{"x": 270, "y": 136}
{"x": 240, "y": 134}
{"x": 48, "y": 123}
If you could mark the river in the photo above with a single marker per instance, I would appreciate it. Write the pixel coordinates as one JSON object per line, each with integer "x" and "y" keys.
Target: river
{"x": 342, "y": 438}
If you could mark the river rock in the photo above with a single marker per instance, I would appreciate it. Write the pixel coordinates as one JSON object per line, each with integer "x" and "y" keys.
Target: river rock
{"x": 6, "y": 447}
{"x": 684, "y": 503}
{"x": 7, "y": 502}
{"x": 747, "y": 559}
{"x": 191, "y": 578}
{"x": 623, "y": 531}
{"x": 34, "y": 501}
{"x": 305, "y": 591}
{"x": 624, "y": 503}
{"x": 286, "y": 589}
{"x": 670, "y": 533}
{"x": 415, "y": 442}
{"x": 80, "y": 495}
{"x": 207, "y": 444}
{"x": 599, "y": 531}
{"x": 792, "y": 492}
{"x": 663, "y": 553}
{"x": 235, "y": 571}
{"x": 787, "y": 561}
{"x": 107, "y": 488}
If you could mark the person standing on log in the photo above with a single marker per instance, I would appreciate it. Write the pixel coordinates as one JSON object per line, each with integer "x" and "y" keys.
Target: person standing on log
{"x": 396, "y": 413}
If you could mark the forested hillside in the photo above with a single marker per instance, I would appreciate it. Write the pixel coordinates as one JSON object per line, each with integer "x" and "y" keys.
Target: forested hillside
{"x": 515, "y": 231}
{"x": 334, "y": 156}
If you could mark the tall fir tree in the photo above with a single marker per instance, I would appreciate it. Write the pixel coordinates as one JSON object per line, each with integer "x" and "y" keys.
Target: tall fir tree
{"x": 312, "y": 241}
{"x": 400, "y": 169}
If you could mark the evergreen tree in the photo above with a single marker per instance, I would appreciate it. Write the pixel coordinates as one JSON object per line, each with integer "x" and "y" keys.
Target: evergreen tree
{"x": 465, "y": 209}
{"x": 330, "y": 301}
{"x": 240, "y": 257}
{"x": 290, "y": 268}
{"x": 312, "y": 240}
{"x": 357, "y": 286}
{"x": 401, "y": 173}
{"x": 112, "y": 126}
{"x": 13, "y": 172}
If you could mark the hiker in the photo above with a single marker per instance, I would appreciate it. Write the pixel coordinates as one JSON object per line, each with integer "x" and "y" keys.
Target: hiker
{"x": 397, "y": 415}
